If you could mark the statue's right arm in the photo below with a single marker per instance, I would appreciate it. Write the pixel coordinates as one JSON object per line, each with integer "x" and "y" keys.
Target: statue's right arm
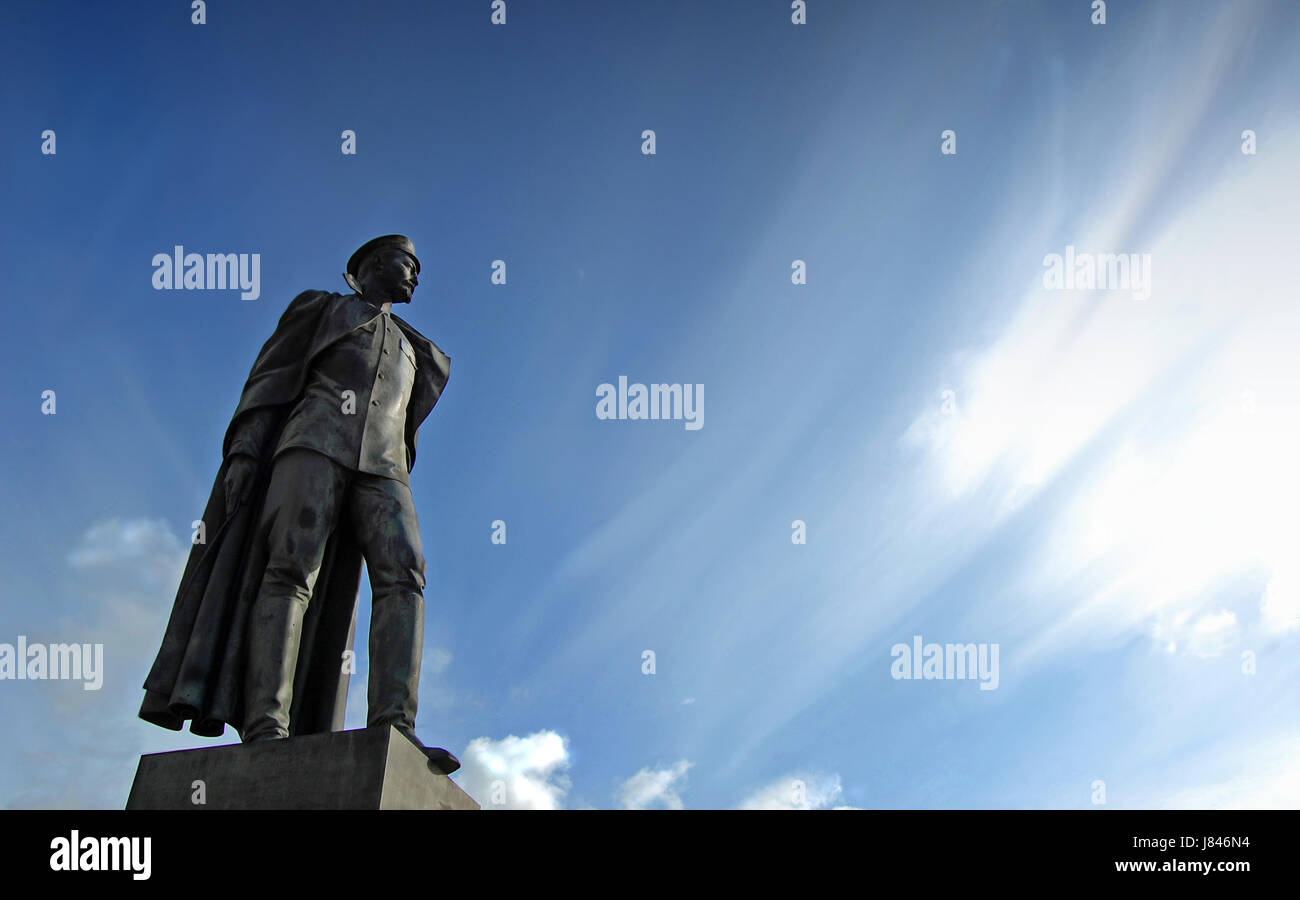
{"x": 245, "y": 450}
{"x": 251, "y": 429}
{"x": 251, "y": 434}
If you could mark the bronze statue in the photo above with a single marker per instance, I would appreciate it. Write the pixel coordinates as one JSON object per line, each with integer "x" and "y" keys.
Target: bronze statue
{"x": 314, "y": 478}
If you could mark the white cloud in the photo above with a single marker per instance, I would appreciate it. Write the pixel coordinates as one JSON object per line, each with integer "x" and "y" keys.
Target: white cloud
{"x": 124, "y": 574}
{"x": 115, "y": 540}
{"x": 144, "y": 550}
{"x": 654, "y": 787}
{"x": 797, "y": 791}
{"x": 1269, "y": 780}
{"x": 438, "y": 660}
{"x": 516, "y": 773}
{"x": 1280, "y": 605}
{"x": 1111, "y": 424}
{"x": 1168, "y": 426}
{"x": 1206, "y": 636}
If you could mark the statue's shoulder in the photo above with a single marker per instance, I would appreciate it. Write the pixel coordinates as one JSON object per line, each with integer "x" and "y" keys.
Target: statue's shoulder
{"x": 314, "y": 298}
{"x": 307, "y": 306}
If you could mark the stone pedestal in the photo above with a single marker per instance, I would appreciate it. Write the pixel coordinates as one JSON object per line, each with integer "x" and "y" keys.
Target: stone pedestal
{"x": 370, "y": 768}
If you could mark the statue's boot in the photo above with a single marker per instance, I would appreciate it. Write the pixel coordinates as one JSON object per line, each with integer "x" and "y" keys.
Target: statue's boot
{"x": 440, "y": 760}
{"x": 396, "y": 646}
{"x": 274, "y": 633}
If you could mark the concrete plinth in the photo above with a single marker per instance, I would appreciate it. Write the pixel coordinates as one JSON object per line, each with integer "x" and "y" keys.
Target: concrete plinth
{"x": 370, "y": 768}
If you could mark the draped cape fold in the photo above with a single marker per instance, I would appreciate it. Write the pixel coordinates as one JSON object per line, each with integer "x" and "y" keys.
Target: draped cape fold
{"x": 198, "y": 673}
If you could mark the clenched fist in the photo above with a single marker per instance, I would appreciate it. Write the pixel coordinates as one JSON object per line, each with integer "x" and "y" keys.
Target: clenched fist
{"x": 239, "y": 479}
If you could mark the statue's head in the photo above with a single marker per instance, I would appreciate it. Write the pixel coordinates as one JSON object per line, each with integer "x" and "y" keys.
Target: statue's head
{"x": 385, "y": 269}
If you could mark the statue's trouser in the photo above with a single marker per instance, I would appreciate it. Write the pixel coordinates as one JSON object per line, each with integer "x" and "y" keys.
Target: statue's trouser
{"x": 309, "y": 495}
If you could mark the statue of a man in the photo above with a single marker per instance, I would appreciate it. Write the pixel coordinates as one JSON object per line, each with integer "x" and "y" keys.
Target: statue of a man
{"x": 314, "y": 479}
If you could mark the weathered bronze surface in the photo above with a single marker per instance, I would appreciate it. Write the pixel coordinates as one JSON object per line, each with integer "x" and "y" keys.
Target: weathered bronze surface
{"x": 314, "y": 480}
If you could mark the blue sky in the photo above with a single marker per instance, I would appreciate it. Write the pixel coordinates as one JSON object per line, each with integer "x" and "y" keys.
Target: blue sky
{"x": 1108, "y": 493}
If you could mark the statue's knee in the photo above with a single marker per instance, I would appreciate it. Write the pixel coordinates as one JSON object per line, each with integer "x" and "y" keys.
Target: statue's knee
{"x": 409, "y": 580}
{"x": 287, "y": 581}
{"x": 407, "y": 570}
{"x": 405, "y": 579}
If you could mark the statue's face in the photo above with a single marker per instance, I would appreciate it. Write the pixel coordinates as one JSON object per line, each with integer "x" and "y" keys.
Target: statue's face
{"x": 388, "y": 274}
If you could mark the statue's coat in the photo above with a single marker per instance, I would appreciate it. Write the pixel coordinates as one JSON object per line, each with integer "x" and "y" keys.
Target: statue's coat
{"x": 198, "y": 674}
